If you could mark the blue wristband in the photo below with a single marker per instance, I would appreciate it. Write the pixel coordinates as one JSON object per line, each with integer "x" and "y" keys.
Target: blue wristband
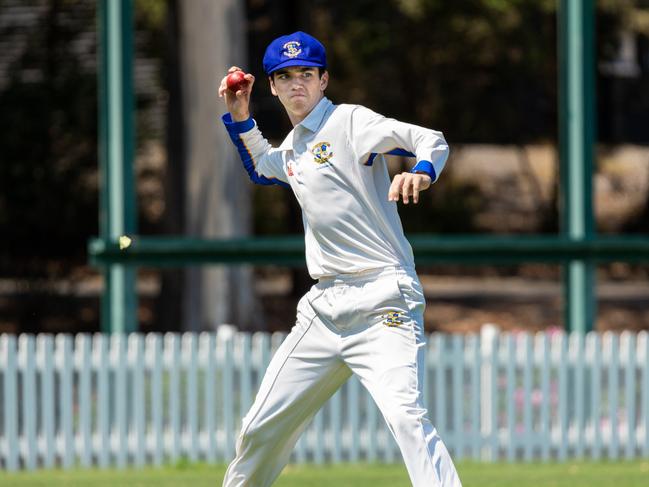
{"x": 237, "y": 127}
{"x": 425, "y": 167}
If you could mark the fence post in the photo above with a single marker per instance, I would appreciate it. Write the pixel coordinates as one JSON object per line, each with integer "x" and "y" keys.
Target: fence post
{"x": 510, "y": 407}
{"x": 207, "y": 346}
{"x": 457, "y": 382}
{"x": 190, "y": 350}
{"x": 171, "y": 360}
{"x": 118, "y": 356}
{"x": 136, "y": 364}
{"x": 102, "y": 364}
{"x": 66, "y": 412}
{"x": 546, "y": 403}
{"x": 578, "y": 345}
{"x": 613, "y": 392}
{"x": 488, "y": 392}
{"x": 528, "y": 364}
{"x": 27, "y": 365}
{"x": 561, "y": 349}
{"x": 10, "y": 390}
{"x": 628, "y": 351}
{"x": 596, "y": 396}
{"x": 441, "y": 417}
{"x": 156, "y": 363}
{"x": 82, "y": 363}
{"x": 45, "y": 347}
{"x": 476, "y": 400}
{"x": 643, "y": 358}
{"x": 226, "y": 351}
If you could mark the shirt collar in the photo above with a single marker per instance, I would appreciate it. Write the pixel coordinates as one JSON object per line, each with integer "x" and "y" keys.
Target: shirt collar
{"x": 312, "y": 122}
{"x": 314, "y": 119}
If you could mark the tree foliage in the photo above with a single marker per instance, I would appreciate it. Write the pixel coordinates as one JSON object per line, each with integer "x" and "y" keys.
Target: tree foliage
{"x": 48, "y": 136}
{"x": 480, "y": 70}
{"x": 485, "y": 70}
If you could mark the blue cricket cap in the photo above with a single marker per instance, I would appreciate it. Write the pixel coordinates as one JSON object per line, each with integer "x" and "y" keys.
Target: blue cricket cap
{"x": 297, "y": 49}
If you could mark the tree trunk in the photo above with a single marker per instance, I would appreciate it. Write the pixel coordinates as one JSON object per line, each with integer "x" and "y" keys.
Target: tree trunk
{"x": 217, "y": 192}
{"x": 169, "y": 302}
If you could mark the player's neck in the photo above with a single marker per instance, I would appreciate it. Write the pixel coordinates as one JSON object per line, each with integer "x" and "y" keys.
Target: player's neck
{"x": 297, "y": 117}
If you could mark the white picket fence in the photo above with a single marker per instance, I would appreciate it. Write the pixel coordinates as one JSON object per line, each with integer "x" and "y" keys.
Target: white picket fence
{"x": 150, "y": 399}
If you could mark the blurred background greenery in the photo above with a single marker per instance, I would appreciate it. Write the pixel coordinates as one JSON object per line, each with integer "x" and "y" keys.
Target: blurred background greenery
{"x": 482, "y": 71}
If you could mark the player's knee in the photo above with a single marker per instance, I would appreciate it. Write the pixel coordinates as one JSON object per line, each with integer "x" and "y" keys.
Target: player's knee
{"x": 248, "y": 437}
{"x": 406, "y": 420}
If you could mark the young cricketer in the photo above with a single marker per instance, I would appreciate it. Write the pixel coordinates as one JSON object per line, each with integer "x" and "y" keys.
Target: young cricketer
{"x": 364, "y": 316}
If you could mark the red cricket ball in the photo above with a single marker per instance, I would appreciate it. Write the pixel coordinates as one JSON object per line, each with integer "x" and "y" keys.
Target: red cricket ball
{"x": 236, "y": 81}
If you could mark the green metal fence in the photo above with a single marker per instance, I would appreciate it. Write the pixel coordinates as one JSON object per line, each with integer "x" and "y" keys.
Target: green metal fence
{"x": 577, "y": 248}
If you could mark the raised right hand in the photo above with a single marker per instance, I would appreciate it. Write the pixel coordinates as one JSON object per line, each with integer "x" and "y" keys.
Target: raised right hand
{"x": 237, "y": 103}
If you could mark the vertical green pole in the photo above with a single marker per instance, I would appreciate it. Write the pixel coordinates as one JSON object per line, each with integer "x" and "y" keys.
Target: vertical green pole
{"x": 116, "y": 150}
{"x": 577, "y": 138}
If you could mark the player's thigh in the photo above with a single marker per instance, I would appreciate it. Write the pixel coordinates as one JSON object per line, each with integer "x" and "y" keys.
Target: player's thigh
{"x": 389, "y": 357}
{"x": 302, "y": 374}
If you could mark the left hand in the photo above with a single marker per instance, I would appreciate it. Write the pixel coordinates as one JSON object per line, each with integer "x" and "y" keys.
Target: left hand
{"x": 408, "y": 184}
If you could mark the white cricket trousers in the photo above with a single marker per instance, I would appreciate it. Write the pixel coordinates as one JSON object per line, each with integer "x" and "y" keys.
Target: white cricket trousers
{"x": 369, "y": 324}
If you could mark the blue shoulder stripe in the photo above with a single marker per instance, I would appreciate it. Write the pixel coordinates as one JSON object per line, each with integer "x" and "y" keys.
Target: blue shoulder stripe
{"x": 370, "y": 160}
{"x": 400, "y": 152}
{"x": 421, "y": 166}
{"x": 394, "y": 152}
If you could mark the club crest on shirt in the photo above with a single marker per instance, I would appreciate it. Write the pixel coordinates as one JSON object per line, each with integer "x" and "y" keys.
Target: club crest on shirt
{"x": 292, "y": 49}
{"x": 321, "y": 152}
{"x": 393, "y": 318}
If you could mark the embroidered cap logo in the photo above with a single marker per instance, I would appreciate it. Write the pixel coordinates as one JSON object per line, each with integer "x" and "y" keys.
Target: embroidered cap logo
{"x": 292, "y": 49}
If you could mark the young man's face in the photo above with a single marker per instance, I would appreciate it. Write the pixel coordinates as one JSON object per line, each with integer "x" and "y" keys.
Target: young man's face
{"x": 299, "y": 89}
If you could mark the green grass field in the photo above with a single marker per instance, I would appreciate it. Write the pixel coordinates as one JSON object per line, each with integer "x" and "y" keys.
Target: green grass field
{"x": 621, "y": 474}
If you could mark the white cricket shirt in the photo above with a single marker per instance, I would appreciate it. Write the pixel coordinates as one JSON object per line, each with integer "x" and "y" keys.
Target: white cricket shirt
{"x": 333, "y": 163}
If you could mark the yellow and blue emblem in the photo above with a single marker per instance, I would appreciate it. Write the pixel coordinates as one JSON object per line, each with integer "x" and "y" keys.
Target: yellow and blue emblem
{"x": 322, "y": 152}
{"x": 393, "y": 318}
{"x": 292, "y": 49}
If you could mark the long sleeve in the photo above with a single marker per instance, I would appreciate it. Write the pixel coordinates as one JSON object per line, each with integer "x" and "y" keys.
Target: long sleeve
{"x": 371, "y": 134}
{"x": 263, "y": 163}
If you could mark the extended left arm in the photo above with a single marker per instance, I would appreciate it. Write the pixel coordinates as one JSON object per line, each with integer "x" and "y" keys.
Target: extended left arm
{"x": 373, "y": 134}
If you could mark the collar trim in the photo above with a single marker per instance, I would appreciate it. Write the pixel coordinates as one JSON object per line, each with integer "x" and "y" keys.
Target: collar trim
{"x": 312, "y": 122}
